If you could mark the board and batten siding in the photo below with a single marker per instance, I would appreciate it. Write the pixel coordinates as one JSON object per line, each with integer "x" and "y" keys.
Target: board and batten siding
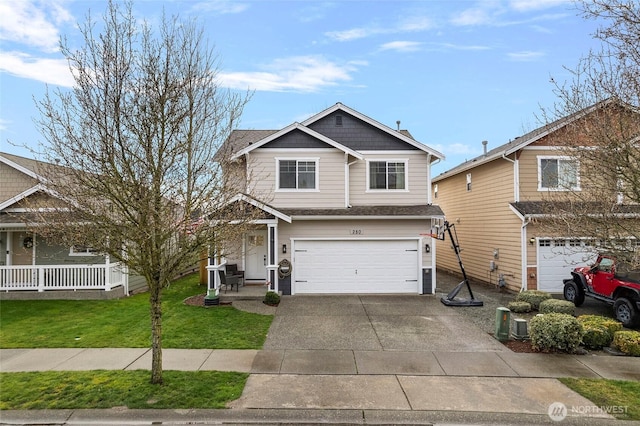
{"x": 330, "y": 185}
{"x": 355, "y": 229}
{"x": 484, "y": 223}
{"x": 416, "y": 192}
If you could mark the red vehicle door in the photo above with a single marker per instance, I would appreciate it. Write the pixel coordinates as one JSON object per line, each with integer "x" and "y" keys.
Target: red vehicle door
{"x": 603, "y": 280}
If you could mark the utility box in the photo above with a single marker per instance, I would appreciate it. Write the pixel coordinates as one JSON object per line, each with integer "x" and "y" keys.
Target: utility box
{"x": 520, "y": 329}
{"x": 503, "y": 323}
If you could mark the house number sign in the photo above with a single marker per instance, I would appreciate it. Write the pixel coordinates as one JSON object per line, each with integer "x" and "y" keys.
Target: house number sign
{"x": 356, "y": 232}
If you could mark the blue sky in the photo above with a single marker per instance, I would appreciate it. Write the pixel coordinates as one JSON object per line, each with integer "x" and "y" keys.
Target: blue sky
{"x": 453, "y": 72}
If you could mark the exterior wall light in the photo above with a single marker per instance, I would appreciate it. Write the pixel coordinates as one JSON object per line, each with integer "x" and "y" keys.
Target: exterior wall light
{"x": 284, "y": 248}
{"x": 427, "y": 248}
{"x": 532, "y": 241}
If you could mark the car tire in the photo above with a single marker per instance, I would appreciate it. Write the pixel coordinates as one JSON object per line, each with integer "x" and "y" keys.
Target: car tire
{"x": 573, "y": 293}
{"x": 626, "y": 312}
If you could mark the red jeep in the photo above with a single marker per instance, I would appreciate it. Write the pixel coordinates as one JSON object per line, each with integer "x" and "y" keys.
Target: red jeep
{"x": 608, "y": 281}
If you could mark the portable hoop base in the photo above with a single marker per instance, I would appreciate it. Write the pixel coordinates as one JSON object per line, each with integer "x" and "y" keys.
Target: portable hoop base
{"x": 451, "y": 299}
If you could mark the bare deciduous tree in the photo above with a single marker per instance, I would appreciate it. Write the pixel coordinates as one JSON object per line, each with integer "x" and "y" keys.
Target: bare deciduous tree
{"x": 133, "y": 146}
{"x": 603, "y": 97}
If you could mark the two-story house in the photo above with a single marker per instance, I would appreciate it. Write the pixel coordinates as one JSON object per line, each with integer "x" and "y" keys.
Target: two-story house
{"x": 346, "y": 206}
{"x": 498, "y": 202}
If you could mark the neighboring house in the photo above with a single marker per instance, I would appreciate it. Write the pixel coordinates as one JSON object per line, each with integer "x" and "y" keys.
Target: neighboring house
{"x": 29, "y": 261}
{"x": 345, "y": 202}
{"x": 496, "y": 202}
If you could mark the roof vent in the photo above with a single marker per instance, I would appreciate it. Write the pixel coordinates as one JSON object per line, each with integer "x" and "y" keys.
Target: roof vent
{"x": 338, "y": 120}
{"x": 398, "y": 123}
{"x": 484, "y": 146}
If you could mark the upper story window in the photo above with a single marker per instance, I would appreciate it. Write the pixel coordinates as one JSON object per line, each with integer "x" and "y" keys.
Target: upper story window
{"x": 388, "y": 175}
{"x": 435, "y": 191}
{"x": 82, "y": 251}
{"x": 298, "y": 174}
{"x": 558, "y": 174}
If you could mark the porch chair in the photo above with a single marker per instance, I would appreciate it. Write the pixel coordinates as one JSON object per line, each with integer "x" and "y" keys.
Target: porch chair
{"x": 228, "y": 280}
{"x": 232, "y": 269}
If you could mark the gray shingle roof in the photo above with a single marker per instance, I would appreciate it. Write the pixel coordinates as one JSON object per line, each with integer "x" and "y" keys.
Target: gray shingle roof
{"x": 422, "y": 210}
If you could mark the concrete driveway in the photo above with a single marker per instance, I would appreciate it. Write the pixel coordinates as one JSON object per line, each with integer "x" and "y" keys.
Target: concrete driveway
{"x": 374, "y": 323}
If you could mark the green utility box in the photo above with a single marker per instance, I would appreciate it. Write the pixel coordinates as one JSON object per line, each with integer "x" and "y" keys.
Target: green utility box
{"x": 503, "y": 323}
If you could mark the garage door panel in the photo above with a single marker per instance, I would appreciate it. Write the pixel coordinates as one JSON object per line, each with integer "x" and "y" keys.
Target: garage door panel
{"x": 556, "y": 260}
{"x": 356, "y": 266}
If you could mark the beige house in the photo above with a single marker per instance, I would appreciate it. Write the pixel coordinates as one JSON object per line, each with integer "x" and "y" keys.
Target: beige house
{"x": 32, "y": 265}
{"x": 346, "y": 206}
{"x": 495, "y": 202}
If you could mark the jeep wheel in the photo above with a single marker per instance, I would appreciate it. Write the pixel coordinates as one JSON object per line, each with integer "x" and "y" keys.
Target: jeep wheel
{"x": 626, "y": 313}
{"x": 573, "y": 293}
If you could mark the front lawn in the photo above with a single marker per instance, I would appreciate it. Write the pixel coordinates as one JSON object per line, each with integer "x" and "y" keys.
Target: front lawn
{"x": 619, "y": 398}
{"x": 107, "y": 389}
{"x": 125, "y": 323}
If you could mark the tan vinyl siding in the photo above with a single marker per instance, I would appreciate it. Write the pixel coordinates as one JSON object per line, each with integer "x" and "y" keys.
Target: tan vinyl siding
{"x": 484, "y": 222}
{"x": 330, "y": 184}
{"x": 355, "y": 229}
{"x": 416, "y": 192}
{"x": 13, "y": 182}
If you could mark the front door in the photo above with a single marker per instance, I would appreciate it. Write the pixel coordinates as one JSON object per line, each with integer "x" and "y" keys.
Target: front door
{"x": 256, "y": 255}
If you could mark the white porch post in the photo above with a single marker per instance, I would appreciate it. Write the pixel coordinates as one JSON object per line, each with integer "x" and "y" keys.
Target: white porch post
{"x": 272, "y": 256}
{"x": 9, "y": 259}
{"x": 107, "y": 273}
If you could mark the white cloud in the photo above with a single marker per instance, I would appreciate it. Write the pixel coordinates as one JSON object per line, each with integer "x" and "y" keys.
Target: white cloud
{"x": 402, "y": 46}
{"x": 412, "y": 24}
{"x": 32, "y": 23}
{"x": 294, "y": 74}
{"x": 50, "y": 71}
{"x": 525, "y": 56}
{"x": 221, "y": 7}
{"x": 528, "y": 5}
{"x": 473, "y": 16}
{"x": 471, "y": 47}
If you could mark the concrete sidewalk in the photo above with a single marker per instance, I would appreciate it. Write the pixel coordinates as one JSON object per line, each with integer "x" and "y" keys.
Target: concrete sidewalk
{"x": 355, "y": 360}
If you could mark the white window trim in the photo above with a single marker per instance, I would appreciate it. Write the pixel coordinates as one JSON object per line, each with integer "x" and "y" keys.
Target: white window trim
{"x": 388, "y": 160}
{"x": 559, "y": 188}
{"x": 316, "y": 160}
{"x": 86, "y": 253}
{"x": 468, "y": 185}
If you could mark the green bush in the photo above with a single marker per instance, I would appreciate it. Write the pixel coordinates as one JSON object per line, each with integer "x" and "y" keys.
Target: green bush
{"x": 555, "y": 332}
{"x": 271, "y": 298}
{"x": 627, "y": 342}
{"x": 519, "y": 307}
{"x": 534, "y": 297}
{"x": 559, "y": 306}
{"x": 598, "y": 330}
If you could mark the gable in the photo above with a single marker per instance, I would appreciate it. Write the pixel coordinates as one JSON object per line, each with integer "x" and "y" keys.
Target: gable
{"x": 296, "y": 139}
{"x": 357, "y": 134}
{"x": 13, "y": 182}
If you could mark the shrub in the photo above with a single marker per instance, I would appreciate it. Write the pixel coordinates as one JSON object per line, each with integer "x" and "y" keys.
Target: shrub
{"x": 519, "y": 307}
{"x": 271, "y": 298}
{"x": 534, "y": 297}
{"x": 555, "y": 332}
{"x": 627, "y": 342}
{"x": 559, "y": 306}
{"x": 598, "y": 330}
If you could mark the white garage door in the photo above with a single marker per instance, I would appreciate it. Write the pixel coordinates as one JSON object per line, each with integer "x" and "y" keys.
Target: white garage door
{"x": 556, "y": 260}
{"x": 356, "y": 266}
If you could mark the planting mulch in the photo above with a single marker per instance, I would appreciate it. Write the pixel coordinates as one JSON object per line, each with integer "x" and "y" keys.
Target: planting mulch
{"x": 522, "y": 346}
{"x": 198, "y": 300}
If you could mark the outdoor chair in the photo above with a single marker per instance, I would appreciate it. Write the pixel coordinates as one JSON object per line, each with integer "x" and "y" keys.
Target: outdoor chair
{"x": 232, "y": 269}
{"x": 228, "y": 281}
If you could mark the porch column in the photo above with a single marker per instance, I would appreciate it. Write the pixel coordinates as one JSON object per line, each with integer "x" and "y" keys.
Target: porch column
{"x": 272, "y": 256}
{"x": 107, "y": 272}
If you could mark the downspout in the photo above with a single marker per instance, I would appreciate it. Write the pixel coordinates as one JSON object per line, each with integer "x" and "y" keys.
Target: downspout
{"x": 523, "y": 250}
{"x": 347, "y": 178}
{"x": 428, "y": 178}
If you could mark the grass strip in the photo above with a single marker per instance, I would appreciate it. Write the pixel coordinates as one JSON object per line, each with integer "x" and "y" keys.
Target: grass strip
{"x": 619, "y": 398}
{"x": 125, "y": 323}
{"x": 108, "y": 389}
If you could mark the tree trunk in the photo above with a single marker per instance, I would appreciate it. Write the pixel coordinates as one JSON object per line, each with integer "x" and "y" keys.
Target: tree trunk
{"x": 156, "y": 332}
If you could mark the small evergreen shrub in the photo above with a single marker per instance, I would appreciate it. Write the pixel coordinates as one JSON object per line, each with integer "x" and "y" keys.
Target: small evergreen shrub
{"x": 598, "y": 330}
{"x": 555, "y": 332}
{"x": 534, "y": 297}
{"x": 559, "y": 306}
{"x": 271, "y": 298}
{"x": 627, "y": 342}
{"x": 519, "y": 307}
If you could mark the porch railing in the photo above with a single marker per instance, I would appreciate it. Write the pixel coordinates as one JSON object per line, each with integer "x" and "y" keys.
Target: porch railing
{"x": 62, "y": 277}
